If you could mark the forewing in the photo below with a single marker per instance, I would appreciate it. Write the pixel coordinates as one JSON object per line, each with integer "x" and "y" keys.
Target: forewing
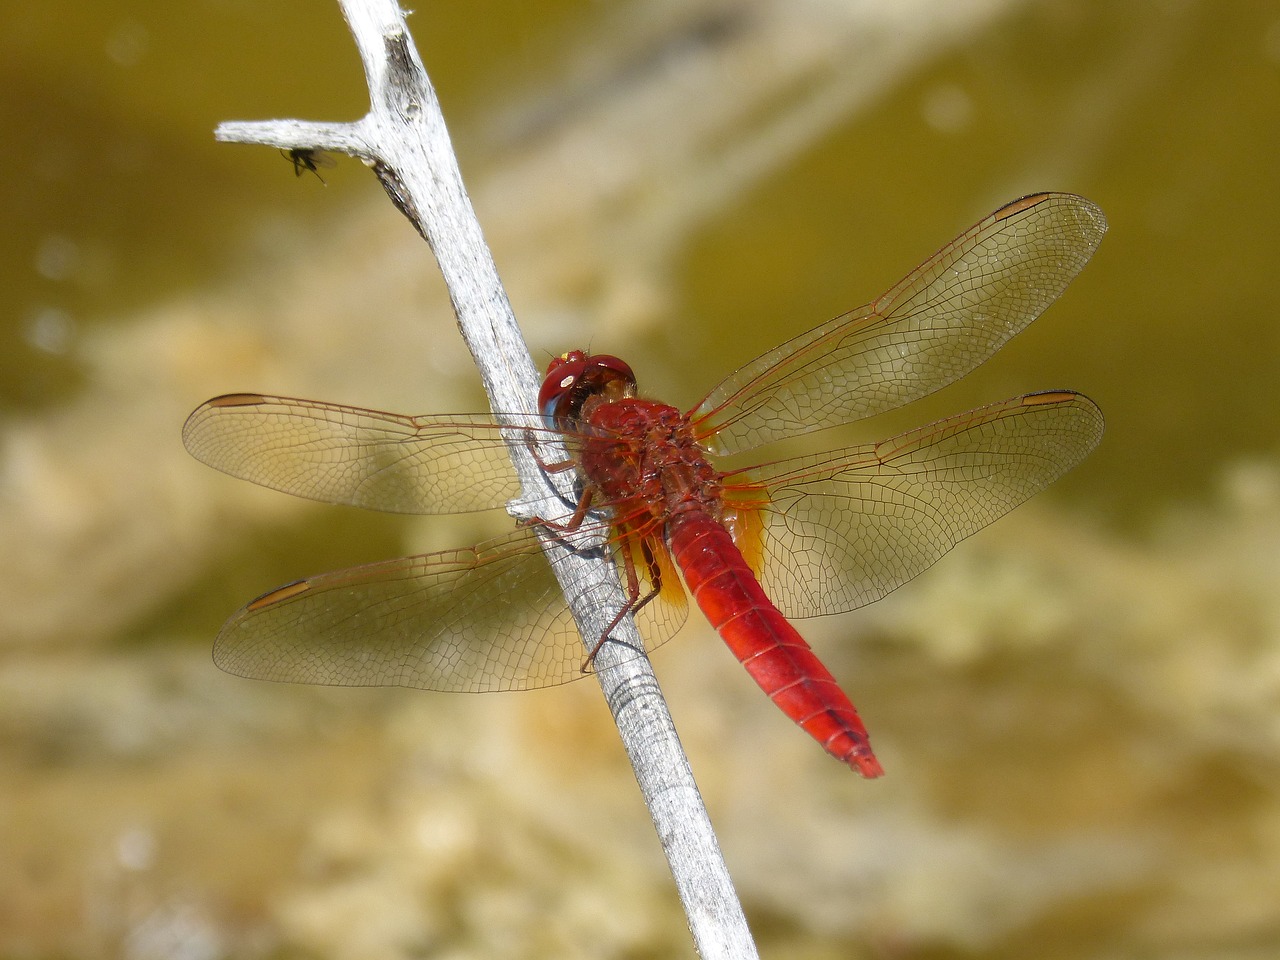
{"x": 483, "y": 619}
{"x": 366, "y": 458}
{"x": 838, "y": 530}
{"x": 945, "y": 318}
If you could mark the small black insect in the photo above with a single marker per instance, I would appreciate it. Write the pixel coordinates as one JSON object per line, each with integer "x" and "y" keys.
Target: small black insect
{"x": 304, "y": 158}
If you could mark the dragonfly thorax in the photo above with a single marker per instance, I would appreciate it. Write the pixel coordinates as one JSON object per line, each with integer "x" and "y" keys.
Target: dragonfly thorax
{"x": 646, "y": 453}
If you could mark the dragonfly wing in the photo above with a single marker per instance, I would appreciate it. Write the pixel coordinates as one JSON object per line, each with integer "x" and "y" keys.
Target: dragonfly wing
{"x": 835, "y": 531}
{"x": 477, "y": 620}
{"x": 945, "y": 318}
{"x": 366, "y": 458}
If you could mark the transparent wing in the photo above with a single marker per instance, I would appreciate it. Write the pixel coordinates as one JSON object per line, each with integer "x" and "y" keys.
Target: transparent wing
{"x": 832, "y": 532}
{"x": 482, "y": 619}
{"x": 366, "y": 458}
{"x": 945, "y": 318}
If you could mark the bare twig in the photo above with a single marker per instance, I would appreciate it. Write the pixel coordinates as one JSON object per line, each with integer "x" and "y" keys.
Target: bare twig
{"x": 403, "y": 137}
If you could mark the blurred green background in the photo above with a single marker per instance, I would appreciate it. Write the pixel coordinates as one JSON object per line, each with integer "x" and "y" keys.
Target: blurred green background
{"x": 685, "y": 185}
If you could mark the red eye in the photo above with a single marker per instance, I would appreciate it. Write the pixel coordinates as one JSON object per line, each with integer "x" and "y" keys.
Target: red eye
{"x": 563, "y": 373}
{"x": 574, "y": 377}
{"x": 601, "y": 367}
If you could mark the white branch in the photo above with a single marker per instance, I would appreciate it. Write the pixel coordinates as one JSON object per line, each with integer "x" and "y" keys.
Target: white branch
{"x": 403, "y": 137}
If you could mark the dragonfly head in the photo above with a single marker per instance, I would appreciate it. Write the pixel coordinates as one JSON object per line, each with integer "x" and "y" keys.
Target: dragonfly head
{"x": 574, "y": 378}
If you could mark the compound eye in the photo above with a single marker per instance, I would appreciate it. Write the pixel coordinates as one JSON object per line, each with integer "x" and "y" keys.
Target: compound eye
{"x": 604, "y": 368}
{"x": 574, "y": 377}
{"x": 563, "y": 374}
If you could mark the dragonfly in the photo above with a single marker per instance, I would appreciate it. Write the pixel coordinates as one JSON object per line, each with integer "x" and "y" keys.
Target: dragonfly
{"x": 756, "y": 546}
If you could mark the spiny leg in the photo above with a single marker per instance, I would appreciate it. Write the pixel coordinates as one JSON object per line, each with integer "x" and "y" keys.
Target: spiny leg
{"x": 635, "y": 602}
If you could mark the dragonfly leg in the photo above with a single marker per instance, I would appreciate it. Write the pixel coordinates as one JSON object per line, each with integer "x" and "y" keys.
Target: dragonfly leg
{"x": 560, "y": 466}
{"x": 634, "y": 601}
{"x": 567, "y": 526}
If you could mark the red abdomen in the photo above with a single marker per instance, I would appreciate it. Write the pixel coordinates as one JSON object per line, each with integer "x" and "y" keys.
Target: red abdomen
{"x": 771, "y": 649}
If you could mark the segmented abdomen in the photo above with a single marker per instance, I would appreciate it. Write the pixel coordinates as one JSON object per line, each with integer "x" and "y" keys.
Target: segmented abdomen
{"x": 770, "y": 648}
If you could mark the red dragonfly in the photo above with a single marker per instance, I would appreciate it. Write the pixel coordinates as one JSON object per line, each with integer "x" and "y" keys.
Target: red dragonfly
{"x": 801, "y": 537}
